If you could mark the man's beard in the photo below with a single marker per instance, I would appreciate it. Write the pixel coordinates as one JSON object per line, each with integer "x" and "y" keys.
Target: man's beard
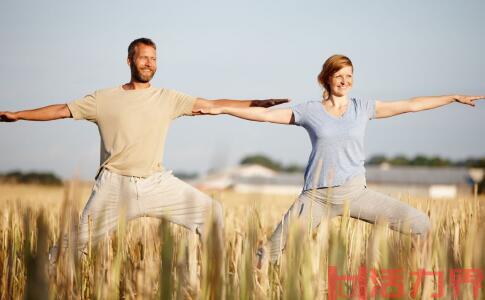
{"x": 140, "y": 77}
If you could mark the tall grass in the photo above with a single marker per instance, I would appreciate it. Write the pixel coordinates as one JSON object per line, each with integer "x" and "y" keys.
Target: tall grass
{"x": 154, "y": 259}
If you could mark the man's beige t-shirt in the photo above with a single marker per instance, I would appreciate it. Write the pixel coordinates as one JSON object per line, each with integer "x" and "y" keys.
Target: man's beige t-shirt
{"x": 133, "y": 125}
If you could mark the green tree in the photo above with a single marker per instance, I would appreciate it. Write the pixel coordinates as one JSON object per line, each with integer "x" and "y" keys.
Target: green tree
{"x": 377, "y": 159}
{"x": 261, "y": 160}
{"x": 400, "y": 160}
{"x": 44, "y": 178}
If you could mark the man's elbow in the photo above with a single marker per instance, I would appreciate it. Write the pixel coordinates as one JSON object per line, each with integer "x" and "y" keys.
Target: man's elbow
{"x": 204, "y": 103}
{"x": 64, "y": 112}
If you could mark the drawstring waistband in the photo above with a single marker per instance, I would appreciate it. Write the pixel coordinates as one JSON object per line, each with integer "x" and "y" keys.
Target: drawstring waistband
{"x": 135, "y": 179}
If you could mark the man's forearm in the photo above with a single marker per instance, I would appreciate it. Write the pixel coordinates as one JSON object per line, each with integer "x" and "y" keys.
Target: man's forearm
{"x": 424, "y": 103}
{"x": 233, "y": 103}
{"x": 47, "y": 113}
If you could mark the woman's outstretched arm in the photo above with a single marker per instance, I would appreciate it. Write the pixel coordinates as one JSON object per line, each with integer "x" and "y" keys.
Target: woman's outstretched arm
{"x": 386, "y": 109}
{"x": 259, "y": 114}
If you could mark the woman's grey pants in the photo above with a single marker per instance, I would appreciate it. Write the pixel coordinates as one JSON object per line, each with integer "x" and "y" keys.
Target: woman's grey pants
{"x": 160, "y": 195}
{"x": 362, "y": 203}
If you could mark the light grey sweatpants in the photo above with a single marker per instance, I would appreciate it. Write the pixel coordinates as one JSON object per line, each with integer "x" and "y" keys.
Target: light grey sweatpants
{"x": 160, "y": 195}
{"x": 363, "y": 204}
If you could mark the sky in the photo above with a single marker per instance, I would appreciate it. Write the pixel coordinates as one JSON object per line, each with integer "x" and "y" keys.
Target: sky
{"x": 57, "y": 51}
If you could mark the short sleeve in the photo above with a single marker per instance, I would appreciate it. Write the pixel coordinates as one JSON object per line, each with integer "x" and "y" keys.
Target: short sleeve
{"x": 84, "y": 108}
{"x": 368, "y": 107}
{"x": 182, "y": 104}
{"x": 299, "y": 112}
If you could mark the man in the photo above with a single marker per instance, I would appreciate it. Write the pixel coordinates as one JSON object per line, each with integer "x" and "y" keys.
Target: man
{"x": 133, "y": 120}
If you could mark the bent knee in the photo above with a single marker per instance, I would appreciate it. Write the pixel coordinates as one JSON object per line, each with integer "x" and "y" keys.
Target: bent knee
{"x": 421, "y": 225}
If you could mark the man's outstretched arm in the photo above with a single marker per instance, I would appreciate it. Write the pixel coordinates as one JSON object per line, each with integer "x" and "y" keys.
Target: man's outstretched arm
{"x": 47, "y": 113}
{"x": 202, "y": 103}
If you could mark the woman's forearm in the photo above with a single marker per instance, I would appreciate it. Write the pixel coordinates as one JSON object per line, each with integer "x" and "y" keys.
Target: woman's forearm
{"x": 258, "y": 114}
{"x": 430, "y": 102}
{"x": 261, "y": 114}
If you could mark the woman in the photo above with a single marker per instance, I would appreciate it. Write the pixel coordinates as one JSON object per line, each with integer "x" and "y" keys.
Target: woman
{"x": 336, "y": 126}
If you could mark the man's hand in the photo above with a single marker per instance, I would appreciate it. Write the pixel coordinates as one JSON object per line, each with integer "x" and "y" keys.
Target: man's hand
{"x": 268, "y": 102}
{"x": 7, "y": 116}
{"x": 468, "y": 100}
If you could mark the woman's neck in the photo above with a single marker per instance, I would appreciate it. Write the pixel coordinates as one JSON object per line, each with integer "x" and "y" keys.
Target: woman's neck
{"x": 337, "y": 101}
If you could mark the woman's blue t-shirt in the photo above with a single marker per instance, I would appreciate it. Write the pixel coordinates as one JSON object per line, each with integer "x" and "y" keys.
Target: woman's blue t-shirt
{"x": 337, "y": 143}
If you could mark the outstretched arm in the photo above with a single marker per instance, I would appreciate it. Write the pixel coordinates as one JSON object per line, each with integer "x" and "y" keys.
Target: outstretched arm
{"x": 47, "y": 113}
{"x": 202, "y": 103}
{"x": 259, "y": 114}
{"x": 386, "y": 109}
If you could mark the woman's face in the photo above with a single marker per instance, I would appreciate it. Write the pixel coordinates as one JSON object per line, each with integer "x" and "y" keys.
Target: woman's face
{"x": 341, "y": 82}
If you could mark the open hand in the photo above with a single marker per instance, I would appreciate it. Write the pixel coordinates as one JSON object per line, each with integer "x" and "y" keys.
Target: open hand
{"x": 268, "y": 102}
{"x": 7, "y": 116}
{"x": 468, "y": 100}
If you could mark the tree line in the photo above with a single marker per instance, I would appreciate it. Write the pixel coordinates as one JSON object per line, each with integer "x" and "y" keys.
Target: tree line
{"x": 398, "y": 160}
{"x": 44, "y": 178}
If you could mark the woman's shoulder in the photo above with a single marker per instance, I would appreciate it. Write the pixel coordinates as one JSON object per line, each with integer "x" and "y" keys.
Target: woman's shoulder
{"x": 364, "y": 105}
{"x": 361, "y": 101}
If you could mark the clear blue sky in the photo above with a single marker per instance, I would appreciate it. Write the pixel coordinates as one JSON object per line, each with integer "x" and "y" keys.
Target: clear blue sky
{"x": 57, "y": 51}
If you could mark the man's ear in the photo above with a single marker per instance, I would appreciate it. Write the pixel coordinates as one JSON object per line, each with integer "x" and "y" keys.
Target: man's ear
{"x": 128, "y": 61}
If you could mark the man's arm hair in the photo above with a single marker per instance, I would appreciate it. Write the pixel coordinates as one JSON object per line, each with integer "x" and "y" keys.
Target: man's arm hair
{"x": 47, "y": 113}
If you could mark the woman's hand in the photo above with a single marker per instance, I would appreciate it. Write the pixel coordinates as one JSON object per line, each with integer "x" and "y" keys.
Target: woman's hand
{"x": 468, "y": 100}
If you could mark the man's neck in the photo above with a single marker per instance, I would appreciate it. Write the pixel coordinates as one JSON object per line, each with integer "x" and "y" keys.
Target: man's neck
{"x": 135, "y": 85}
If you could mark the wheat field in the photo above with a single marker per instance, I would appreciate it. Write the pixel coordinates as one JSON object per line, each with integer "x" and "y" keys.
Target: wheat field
{"x": 152, "y": 259}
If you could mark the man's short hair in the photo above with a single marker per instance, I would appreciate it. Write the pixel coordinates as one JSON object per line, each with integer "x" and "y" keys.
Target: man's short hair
{"x": 132, "y": 46}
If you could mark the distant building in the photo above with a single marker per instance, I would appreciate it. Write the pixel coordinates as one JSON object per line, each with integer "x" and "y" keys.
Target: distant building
{"x": 443, "y": 182}
{"x": 438, "y": 182}
{"x": 251, "y": 179}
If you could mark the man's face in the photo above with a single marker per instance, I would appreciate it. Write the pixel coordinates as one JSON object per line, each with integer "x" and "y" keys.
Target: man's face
{"x": 143, "y": 65}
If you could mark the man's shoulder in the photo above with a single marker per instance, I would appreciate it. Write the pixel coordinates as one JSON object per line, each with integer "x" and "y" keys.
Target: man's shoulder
{"x": 108, "y": 90}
